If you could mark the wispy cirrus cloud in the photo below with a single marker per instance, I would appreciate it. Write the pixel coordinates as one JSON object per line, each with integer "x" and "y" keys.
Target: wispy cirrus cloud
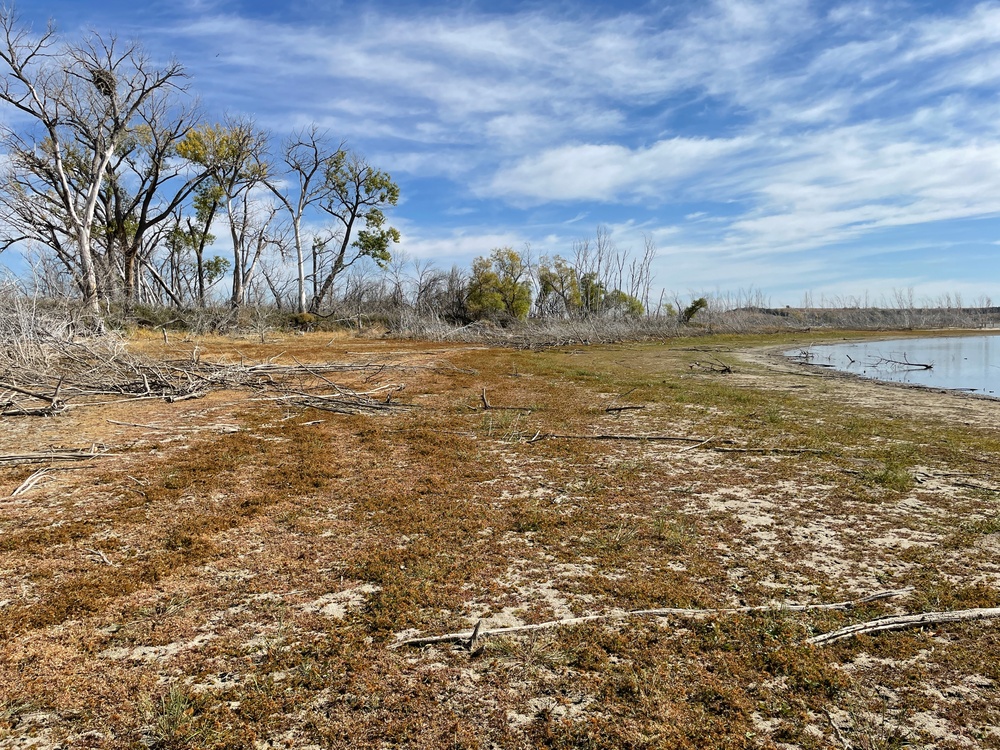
{"x": 611, "y": 172}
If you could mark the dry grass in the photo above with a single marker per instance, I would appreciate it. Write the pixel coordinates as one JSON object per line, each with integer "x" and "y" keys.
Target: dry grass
{"x": 258, "y": 579}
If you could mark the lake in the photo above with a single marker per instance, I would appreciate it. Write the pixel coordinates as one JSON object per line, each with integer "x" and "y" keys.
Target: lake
{"x": 961, "y": 363}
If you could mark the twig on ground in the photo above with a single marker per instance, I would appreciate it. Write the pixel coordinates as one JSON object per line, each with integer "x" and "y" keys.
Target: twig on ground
{"x": 718, "y": 367}
{"x": 836, "y": 730}
{"x": 488, "y": 406}
{"x": 104, "y": 558}
{"x": 706, "y": 441}
{"x": 30, "y": 482}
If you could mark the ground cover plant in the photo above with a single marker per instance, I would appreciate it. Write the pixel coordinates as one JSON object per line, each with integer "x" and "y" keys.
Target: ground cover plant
{"x": 242, "y": 569}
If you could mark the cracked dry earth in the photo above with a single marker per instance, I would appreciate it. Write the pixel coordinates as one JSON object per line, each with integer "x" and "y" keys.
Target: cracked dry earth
{"x": 240, "y": 573}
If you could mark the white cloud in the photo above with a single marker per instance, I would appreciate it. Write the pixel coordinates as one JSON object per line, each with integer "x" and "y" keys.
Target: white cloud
{"x": 456, "y": 246}
{"x": 609, "y": 172}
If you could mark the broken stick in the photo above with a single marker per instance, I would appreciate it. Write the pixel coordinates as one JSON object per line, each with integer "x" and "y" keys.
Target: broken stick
{"x": 902, "y": 622}
{"x": 479, "y": 633}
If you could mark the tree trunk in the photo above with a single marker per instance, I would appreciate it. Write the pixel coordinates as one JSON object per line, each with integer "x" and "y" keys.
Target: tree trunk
{"x": 300, "y": 303}
{"x": 88, "y": 273}
{"x": 238, "y": 292}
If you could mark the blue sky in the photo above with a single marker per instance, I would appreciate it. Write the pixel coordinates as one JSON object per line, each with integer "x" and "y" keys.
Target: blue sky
{"x": 786, "y": 146}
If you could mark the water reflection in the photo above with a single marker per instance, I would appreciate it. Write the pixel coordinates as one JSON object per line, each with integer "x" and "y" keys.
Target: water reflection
{"x": 961, "y": 363}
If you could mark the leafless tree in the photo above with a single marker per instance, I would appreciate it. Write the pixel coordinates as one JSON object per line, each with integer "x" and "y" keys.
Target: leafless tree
{"x": 309, "y": 157}
{"x": 255, "y": 230}
{"x": 143, "y": 189}
{"x": 82, "y": 102}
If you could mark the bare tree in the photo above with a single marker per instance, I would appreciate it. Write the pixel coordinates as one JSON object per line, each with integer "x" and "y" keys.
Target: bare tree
{"x": 144, "y": 187}
{"x": 82, "y": 101}
{"x": 309, "y": 158}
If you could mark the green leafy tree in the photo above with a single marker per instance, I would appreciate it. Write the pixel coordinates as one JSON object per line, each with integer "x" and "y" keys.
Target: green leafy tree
{"x": 618, "y": 302}
{"x": 558, "y": 288}
{"x": 233, "y": 156}
{"x": 500, "y": 286}
{"x": 696, "y": 306}
{"x": 356, "y": 195}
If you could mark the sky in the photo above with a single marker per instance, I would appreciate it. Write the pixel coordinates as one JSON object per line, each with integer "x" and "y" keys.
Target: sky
{"x": 840, "y": 150}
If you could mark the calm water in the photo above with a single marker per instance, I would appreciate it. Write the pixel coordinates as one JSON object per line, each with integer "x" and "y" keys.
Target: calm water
{"x": 965, "y": 363}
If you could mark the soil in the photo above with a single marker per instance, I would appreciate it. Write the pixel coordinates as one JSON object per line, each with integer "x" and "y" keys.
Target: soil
{"x": 236, "y": 571}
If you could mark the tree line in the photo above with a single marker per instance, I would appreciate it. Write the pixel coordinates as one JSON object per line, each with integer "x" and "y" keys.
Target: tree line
{"x": 115, "y": 183}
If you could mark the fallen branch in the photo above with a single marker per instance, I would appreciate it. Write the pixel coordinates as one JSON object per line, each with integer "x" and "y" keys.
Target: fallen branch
{"x": 706, "y": 441}
{"x": 45, "y": 411}
{"x": 30, "y": 482}
{"x": 83, "y": 371}
{"x": 623, "y": 408}
{"x": 717, "y": 367}
{"x": 601, "y": 436}
{"x": 28, "y": 458}
{"x": 39, "y": 396}
{"x": 479, "y": 633}
{"x": 791, "y": 451}
{"x": 701, "y": 442}
{"x": 225, "y": 428}
{"x": 487, "y": 405}
{"x": 350, "y": 403}
{"x": 904, "y": 362}
{"x": 902, "y": 622}
{"x": 171, "y": 399}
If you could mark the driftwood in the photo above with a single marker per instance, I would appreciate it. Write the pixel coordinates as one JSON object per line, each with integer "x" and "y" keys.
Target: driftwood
{"x": 223, "y": 428}
{"x": 61, "y": 455}
{"x": 40, "y": 396}
{"x": 83, "y": 371}
{"x": 477, "y": 634}
{"x": 603, "y": 436}
{"x": 31, "y": 482}
{"x": 700, "y": 442}
{"x": 904, "y": 362}
{"x": 902, "y": 622}
{"x": 13, "y": 409}
{"x": 790, "y": 451}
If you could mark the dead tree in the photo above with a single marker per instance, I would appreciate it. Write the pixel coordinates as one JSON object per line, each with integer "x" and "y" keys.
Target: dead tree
{"x": 81, "y": 102}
